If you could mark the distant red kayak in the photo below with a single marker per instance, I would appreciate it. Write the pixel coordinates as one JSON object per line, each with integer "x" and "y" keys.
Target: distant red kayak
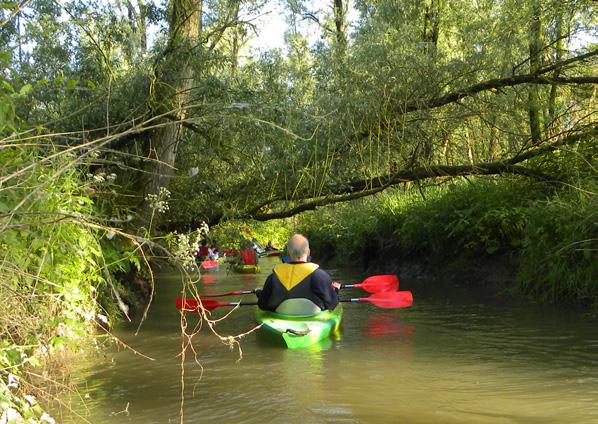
{"x": 209, "y": 264}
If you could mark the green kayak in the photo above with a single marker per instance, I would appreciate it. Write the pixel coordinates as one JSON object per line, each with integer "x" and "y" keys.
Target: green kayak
{"x": 301, "y": 330}
{"x": 246, "y": 269}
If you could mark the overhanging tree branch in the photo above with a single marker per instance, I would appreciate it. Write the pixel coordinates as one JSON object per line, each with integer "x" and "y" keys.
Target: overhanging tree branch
{"x": 534, "y": 78}
{"x": 366, "y": 187}
{"x": 417, "y": 174}
{"x": 308, "y": 206}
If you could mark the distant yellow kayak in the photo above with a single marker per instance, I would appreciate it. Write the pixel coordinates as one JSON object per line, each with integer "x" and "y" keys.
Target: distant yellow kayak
{"x": 246, "y": 269}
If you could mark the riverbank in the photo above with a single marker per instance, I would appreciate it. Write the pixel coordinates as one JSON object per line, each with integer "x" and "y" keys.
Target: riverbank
{"x": 498, "y": 272}
{"x": 528, "y": 237}
{"x": 60, "y": 277}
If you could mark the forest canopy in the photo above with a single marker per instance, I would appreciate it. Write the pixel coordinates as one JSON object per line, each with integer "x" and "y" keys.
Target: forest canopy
{"x": 170, "y": 98}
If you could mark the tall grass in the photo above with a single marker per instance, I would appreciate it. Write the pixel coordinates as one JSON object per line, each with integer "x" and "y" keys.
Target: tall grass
{"x": 460, "y": 219}
{"x": 559, "y": 256}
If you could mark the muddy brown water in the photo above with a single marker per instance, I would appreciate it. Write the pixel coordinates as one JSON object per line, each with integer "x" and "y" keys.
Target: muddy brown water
{"x": 459, "y": 355}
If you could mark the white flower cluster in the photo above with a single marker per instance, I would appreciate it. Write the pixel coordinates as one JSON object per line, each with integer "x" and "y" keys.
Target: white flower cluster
{"x": 185, "y": 249}
{"x": 187, "y": 245}
{"x": 101, "y": 177}
{"x": 159, "y": 202}
{"x": 203, "y": 229}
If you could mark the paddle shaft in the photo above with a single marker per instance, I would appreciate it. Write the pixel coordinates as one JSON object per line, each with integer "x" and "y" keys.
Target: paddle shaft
{"x": 240, "y": 292}
{"x": 232, "y": 293}
{"x": 353, "y": 299}
{"x": 360, "y": 285}
{"x": 240, "y": 304}
{"x": 373, "y": 284}
{"x": 402, "y": 299}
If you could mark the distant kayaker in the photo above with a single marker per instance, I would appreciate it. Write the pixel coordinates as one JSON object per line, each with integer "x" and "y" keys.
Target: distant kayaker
{"x": 256, "y": 246}
{"x": 270, "y": 246}
{"x": 298, "y": 287}
{"x": 203, "y": 251}
{"x": 213, "y": 253}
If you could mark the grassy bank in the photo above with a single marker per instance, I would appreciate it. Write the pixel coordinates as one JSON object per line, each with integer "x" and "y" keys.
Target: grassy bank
{"x": 548, "y": 233}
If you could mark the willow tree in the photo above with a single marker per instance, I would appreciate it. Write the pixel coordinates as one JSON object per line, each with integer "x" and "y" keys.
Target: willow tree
{"x": 430, "y": 90}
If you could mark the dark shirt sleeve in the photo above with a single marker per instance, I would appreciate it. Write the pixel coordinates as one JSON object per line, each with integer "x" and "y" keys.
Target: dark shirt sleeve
{"x": 264, "y": 295}
{"x": 321, "y": 285}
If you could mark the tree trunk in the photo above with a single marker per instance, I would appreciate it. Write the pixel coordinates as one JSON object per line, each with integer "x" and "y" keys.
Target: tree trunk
{"x": 236, "y": 41}
{"x": 469, "y": 146}
{"x": 432, "y": 24}
{"x": 174, "y": 78}
{"x": 234, "y": 55}
{"x": 138, "y": 16}
{"x": 535, "y": 46}
{"x": 445, "y": 150}
{"x": 340, "y": 23}
{"x": 558, "y": 54}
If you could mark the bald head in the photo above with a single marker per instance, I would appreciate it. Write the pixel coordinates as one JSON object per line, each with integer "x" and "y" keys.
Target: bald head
{"x": 298, "y": 248}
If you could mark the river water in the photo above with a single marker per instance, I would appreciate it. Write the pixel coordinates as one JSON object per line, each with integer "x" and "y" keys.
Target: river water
{"x": 458, "y": 355}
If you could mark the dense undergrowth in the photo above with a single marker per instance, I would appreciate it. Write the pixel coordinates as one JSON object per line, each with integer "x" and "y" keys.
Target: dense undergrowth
{"x": 57, "y": 270}
{"x": 549, "y": 233}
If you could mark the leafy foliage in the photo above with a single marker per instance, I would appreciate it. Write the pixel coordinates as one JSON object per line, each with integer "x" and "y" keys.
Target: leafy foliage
{"x": 230, "y": 234}
{"x": 49, "y": 278}
{"x": 464, "y": 219}
{"x": 553, "y": 233}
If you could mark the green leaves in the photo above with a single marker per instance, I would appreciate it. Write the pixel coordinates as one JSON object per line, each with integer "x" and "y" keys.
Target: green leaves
{"x": 50, "y": 259}
{"x": 558, "y": 260}
{"x": 25, "y": 90}
{"x": 6, "y": 86}
{"x": 14, "y": 400}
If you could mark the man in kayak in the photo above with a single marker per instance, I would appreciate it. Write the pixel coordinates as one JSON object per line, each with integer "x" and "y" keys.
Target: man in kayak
{"x": 298, "y": 287}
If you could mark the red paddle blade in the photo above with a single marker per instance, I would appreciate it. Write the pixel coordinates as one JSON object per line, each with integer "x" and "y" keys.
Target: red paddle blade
{"x": 209, "y": 264}
{"x": 398, "y": 299}
{"x": 194, "y": 305}
{"x": 380, "y": 283}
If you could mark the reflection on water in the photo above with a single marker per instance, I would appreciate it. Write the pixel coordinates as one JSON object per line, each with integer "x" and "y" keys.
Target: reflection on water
{"x": 387, "y": 325}
{"x": 456, "y": 356}
{"x": 208, "y": 278}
